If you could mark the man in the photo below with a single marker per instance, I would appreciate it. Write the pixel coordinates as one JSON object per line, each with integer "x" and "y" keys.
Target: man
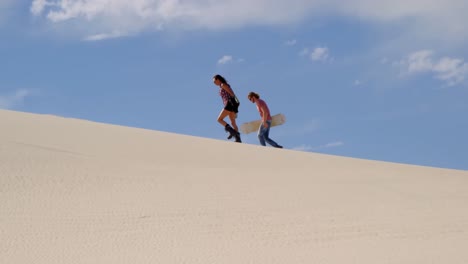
{"x": 264, "y": 129}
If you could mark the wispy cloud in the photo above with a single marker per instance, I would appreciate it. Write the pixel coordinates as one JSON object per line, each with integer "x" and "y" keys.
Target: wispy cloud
{"x": 320, "y": 54}
{"x": 146, "y": 15}
{"x": 317, "y": 54}
{"x": 452, "y": 71}
{"x": 38, "y": 6}
{"x": 420, "y": 61}
{"x": 225, "y": 59}
{"x": 228, "y": 59}
{"x": 103, "y": 36}
{"x": 12, "y": 100}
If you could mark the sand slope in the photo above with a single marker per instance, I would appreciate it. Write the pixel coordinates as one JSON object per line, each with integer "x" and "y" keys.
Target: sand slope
{"x": 74, "y": 191}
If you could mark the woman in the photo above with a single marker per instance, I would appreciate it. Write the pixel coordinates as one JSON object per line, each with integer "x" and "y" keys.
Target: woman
{"x": 231, "y": 106}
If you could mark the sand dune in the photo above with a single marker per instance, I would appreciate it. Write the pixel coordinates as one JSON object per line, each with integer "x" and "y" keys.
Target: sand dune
{"x": 75, "y": 191}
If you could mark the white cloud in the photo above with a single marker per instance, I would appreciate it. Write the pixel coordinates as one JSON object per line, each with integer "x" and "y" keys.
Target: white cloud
{"x": 225, "y": 59}
{"x": 420, "y": 61}
{"x": 320, "y": 54}
{"x": 142, "y": 15}
{"x": 11, "y": 100}
{"x": 229, "y": 59}
{"x": 453, "y": 71}
{"x": 317, "y": 54}
{"x": 38, "y": 6}
{"x": 103, "y": 36}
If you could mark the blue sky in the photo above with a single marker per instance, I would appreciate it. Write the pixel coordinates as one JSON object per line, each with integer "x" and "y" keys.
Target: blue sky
{"x": 380, "y": 80}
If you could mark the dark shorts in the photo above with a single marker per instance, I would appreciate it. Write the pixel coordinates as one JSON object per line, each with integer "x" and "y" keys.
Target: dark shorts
{"x": 232, "y": 106}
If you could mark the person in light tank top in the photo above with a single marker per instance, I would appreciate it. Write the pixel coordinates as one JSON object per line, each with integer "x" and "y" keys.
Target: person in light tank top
{"x": 264, "y": 129}
{"x": 230, "y": 109}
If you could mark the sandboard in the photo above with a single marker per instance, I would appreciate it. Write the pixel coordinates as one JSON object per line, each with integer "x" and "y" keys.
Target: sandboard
{"x": 253, "y": 126}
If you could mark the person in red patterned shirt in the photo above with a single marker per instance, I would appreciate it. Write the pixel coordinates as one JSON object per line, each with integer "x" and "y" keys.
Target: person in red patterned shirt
{"x": 231, "y": 107}
{"x": 264, "y": 129}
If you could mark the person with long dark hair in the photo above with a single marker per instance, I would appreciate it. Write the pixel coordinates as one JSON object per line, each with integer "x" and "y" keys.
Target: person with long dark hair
{"x": 230, "y": 109}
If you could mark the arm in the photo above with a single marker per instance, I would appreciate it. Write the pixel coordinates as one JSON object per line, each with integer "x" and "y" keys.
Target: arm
{"x": 264, "y": 120}
{"x": 264, "y": 110}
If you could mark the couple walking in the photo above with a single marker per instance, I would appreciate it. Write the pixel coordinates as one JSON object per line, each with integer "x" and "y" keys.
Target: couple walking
{"x": 231, "y": 108}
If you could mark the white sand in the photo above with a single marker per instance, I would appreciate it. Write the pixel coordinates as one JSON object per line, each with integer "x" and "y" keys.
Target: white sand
{"x": 74, "y": 191}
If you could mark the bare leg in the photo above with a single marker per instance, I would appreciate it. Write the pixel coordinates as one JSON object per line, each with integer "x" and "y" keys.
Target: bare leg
{"x": 224, "y": 113}
{"x": 221, "y": 117}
